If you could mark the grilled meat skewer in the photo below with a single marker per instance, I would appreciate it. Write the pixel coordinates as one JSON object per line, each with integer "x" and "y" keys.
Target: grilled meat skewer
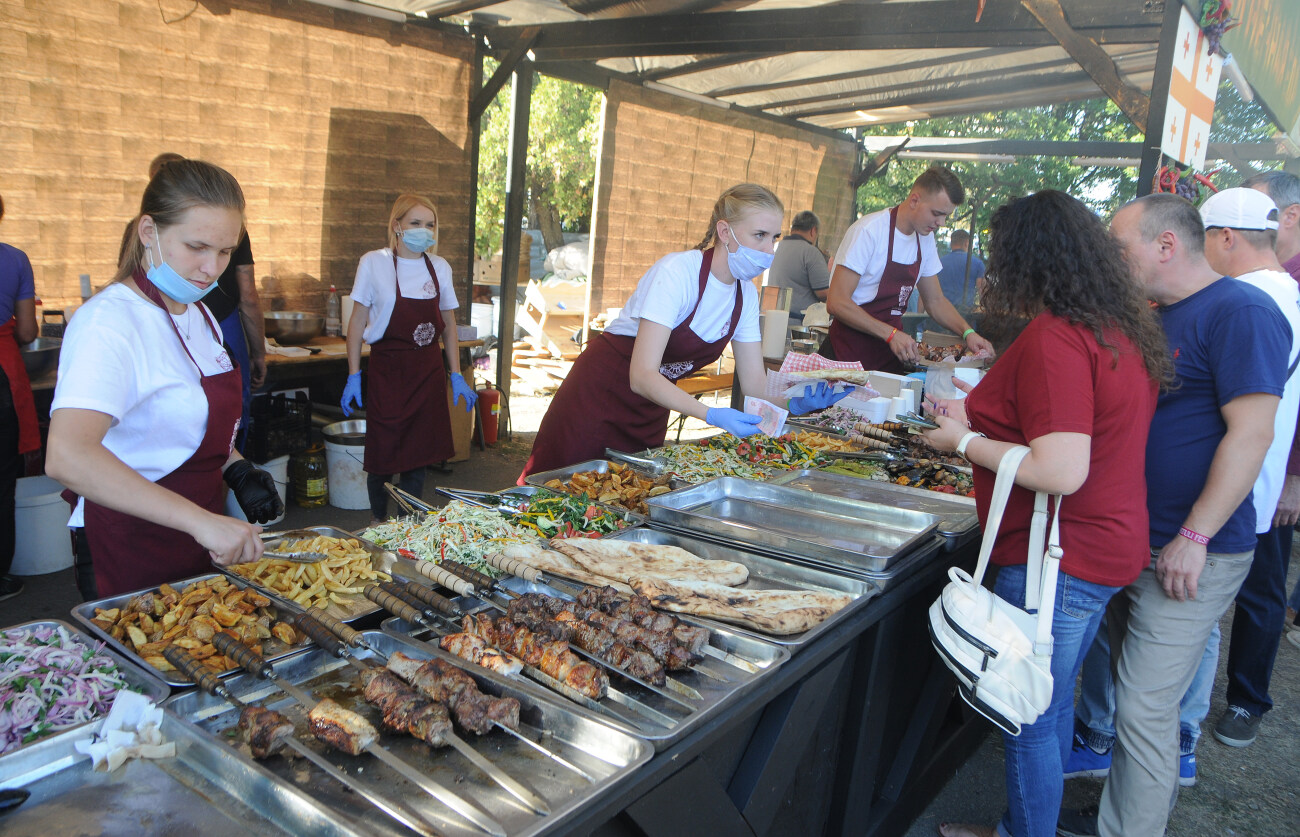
{"x": 341, "y": 728}
{"x": 553, "y": 658}
{"x": 265, "y": 729}
{"x": 404, "y": 709}
{"x": 443, "y": 682}
{"x": 659, "y": 644}
{"x": 590, "y": 638}
{"x": 637, "y": 609}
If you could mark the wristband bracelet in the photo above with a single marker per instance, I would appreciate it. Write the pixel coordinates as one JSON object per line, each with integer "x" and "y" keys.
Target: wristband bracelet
{"x": 966, "y": 440}
{"x": 890, "y": 338}
{"x": 1195, "y": 537}
{"x": 967, "y": 333}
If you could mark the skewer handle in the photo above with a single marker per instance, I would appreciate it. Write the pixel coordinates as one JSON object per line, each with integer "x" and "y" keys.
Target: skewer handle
{"x": 338, "y": 627}
{"x": 202, "y": 676}
{"x": 452, "y": 582}
{"x": 398, "y": 590}
{"x": 393, "y": 604}
{"x": 425, "y": 594}
{"x": 480, "y": 580}
{"x": 513, "y": 566}
{"x": 319, "y": 632}
{"x": 244, "y": 657}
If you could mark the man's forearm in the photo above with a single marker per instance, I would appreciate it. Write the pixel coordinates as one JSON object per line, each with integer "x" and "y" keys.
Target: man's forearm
{"x": 1233, "y": 472}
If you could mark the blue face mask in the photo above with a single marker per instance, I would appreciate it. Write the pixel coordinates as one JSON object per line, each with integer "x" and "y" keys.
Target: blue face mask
{"x": 418, "y": 239}
{"x": 746, "y": 262}
{"x": 167, "y": 280}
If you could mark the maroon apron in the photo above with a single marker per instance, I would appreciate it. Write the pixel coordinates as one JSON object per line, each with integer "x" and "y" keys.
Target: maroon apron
{"x": 596, "y": 408}
{"x": 897, "y": 282}
{"x": 407, "y": 422}
{"x": 131, "y": 553}
{"x": 11, "y": 361}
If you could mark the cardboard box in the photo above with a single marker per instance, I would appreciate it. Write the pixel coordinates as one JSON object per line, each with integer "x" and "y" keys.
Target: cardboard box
{"x": 462, "y": 427}
{"x": 890, "y": 385}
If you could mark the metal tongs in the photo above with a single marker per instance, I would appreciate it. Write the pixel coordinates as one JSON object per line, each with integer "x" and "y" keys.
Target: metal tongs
{"x": 298, "y": 557}
{"x": 916, "y": 422}
{"x": 654, "y": 466}
{"x": 830, "y": 430}
{"x": 484, "y": 499}
{"x": 892, "y": 455}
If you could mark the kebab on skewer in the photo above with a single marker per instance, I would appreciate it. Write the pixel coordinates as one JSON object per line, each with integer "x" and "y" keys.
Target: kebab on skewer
{"x": 552, "y": 657}
{"x": 657, "y": 642}
{"x": 443, "y": 682}
{"x": 594, "y": 640}
{"x": 637, "y": 609}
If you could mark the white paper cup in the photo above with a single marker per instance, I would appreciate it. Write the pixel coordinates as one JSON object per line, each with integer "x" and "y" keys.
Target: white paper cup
{"x": 878, "y": 409}
{"x": 897, "y": 406}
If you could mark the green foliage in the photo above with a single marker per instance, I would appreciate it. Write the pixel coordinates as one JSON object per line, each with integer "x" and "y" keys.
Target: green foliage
{"x": 563, "y": 135}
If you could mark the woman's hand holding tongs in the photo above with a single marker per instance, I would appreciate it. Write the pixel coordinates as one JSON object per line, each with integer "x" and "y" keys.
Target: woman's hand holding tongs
{"x": 950, "y": 415}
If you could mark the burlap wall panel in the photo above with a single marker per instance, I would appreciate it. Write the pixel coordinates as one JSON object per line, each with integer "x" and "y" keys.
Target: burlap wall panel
{"x": 324, "y": 116}
{"x": 665, "y": 160}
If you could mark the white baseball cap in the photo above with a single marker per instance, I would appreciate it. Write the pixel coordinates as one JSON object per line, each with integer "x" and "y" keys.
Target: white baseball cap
{"x": 1240, "y": 209}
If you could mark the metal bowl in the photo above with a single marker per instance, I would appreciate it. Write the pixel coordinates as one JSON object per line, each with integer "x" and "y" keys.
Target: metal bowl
{"x": 41, "y": 356}
{"x": 352, "y": 432}
{"x": 800, "y": 333}
{"x": 292, "y": 327}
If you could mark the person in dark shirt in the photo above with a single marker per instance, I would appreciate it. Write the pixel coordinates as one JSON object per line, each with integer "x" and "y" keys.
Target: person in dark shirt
{"x": 958, "y": 284}
{"x": 800, "y": 266}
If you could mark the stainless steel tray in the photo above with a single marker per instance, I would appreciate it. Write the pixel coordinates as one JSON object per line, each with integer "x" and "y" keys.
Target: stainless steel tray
{"x": 765, "y": 573}
{"x": 143, "y": 679}
{"x": 600, "y": 466}
{"x": 668, "y": 719}
{"x": 207, "y": 789}
{"x": 356, "y": 605}
{"x": 606, "y": 754}
{"x": 958, "y": 523}
{"x": 84, "y": 613}
{"x": 833, "y": 531}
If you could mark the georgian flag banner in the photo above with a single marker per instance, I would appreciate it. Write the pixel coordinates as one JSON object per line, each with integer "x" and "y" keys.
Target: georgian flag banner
{"x": 1193, "y": 85}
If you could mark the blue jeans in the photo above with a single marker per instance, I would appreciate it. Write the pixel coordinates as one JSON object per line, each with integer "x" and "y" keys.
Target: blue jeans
{"x": 1095, "y": 709}
{"x": 1035, "y": 759}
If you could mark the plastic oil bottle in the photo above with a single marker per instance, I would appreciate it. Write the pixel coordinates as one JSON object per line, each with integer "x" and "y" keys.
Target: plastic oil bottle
{"x": 333, "y": 314}
{"x": 310, "y": 477}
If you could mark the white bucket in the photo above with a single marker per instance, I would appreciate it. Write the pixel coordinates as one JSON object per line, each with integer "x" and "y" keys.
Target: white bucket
{"x": 278, "y": 468}
{"x": 42, "y": 544}
{"x": 347, "y": 477}
{"x": 482, "y": 317}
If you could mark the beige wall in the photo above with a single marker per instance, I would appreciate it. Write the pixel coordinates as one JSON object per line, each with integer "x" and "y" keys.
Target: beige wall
{"x": 324, "y": 116}
{"x": 664, "y": 161}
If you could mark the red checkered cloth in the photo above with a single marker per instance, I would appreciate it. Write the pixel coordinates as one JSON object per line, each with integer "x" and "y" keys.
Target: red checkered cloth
{"x": 795, "y": 362}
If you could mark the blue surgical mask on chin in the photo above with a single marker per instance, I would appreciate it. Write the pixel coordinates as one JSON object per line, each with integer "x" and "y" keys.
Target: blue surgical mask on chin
{"x": 418, "y": 239}
{"x": 167, "y": 280}
{"x": 746, "y": 262}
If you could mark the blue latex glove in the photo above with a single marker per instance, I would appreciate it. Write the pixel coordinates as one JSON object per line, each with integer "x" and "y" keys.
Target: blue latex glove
{"x": 351, "y": 392}
{"x": 733, "y": 421}
{"x": 815, "y": 399}
{"x": 460, "y": 389}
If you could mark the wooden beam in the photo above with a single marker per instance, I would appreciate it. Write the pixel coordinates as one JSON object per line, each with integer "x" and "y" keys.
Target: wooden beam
{"x": 527, "y": 37}
{"x": 1154, "y": 127}
{"x": 712, "y": 62}
{"x": 516, "y": 163}
{"x": 1092, "y": 58}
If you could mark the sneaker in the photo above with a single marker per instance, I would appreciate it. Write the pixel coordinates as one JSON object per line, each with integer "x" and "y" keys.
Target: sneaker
{"x": 1293, "y": 637}
{"x": 1080, "y": 823}
{"x": 1187, "y": 769}
{"x": 1237, "y": 727}
{"x": 1291, "y": 624}
{"x": 1085, "y": 762}
{"x": 9, "y": 587}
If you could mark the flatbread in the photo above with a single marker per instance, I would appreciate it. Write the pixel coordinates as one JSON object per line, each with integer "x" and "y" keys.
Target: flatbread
{"x": 549, "y": 561}
{"x": 776, "y": 612}
{"x": 852, "y": 376}
{"x": 622, "y": 560}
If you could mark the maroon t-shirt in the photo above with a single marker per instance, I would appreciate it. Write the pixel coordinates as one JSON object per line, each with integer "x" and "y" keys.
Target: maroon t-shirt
{"x": 1055, "y": 379}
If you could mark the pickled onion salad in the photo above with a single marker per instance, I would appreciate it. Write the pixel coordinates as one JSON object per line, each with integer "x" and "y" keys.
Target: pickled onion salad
{"x": 50, "y": 681}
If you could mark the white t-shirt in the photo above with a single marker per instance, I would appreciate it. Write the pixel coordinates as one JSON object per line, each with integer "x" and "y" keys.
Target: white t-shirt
{"x": 373, "y": 287}
{"x": 864, "y": 249}
{"x": 1268, "y": 486}
{"x": 120, "y": 356}
{"x": 667, "y": 293}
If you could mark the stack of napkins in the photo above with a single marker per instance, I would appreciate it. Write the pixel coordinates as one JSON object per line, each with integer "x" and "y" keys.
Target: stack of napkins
{"x": 131, "y": 730}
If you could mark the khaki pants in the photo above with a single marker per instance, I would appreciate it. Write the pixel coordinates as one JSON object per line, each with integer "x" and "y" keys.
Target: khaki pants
{"x": 1160, "y": 641}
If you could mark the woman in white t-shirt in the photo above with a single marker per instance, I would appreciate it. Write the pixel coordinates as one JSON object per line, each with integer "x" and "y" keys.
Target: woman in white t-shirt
{"x": 683, "y": 313}
{"x": 148, "y": 402}
{"x": 405, "y": 301}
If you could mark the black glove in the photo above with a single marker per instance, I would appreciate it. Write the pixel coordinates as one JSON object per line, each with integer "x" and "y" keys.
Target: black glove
{"x": 255, "y": 491}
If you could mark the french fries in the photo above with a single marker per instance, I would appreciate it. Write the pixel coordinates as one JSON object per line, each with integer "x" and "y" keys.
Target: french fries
{"x": 152, "y": 621}
{"x": 345, "y": 572}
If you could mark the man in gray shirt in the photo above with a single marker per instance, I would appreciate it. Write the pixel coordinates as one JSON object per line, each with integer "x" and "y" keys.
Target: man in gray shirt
{"x": 799, "y": 265}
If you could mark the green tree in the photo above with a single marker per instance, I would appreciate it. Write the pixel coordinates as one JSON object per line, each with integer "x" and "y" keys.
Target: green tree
{"x": 563, "y": 136}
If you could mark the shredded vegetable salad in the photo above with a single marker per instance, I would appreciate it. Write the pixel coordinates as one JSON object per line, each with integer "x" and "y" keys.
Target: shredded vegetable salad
{"x": 724, "y": 455}
{"x": 49, "y": 681}
{"x": 456, "y": 532}
{"x": 837, "y": 418}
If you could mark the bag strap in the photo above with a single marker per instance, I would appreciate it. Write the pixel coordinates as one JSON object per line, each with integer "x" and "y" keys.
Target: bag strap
{"x": 1006, "y": 478}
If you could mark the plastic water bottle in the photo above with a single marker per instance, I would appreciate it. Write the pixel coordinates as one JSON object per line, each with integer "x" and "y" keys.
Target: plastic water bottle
{"x": 333, "y": 314}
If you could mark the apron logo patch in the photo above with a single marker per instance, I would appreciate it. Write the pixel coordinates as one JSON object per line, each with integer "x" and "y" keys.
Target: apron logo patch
{"x": 673, "y": 371}
{"x": 223, "y": 361}
{"x": 428, "y": 289}
{"x": 424, "y": 334}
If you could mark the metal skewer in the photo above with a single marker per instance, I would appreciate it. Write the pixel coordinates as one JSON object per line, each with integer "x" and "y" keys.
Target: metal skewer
{"x": 206, "y": 680}
{"x": 395, "y": 603}
{"x": 346, "y": 636}
{"x": 251, "y": 661}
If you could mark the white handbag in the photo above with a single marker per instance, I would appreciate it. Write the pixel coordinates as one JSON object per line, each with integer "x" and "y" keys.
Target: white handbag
{"x": 1001, "y": 655}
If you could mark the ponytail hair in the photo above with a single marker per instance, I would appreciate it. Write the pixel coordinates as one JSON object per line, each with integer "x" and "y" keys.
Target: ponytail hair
{"x": 737, "y": 202}
{"x": 178, "y": 187}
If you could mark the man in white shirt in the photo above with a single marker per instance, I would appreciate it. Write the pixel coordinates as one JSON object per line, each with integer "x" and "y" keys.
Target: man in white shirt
{"x": 882, "y": 259}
